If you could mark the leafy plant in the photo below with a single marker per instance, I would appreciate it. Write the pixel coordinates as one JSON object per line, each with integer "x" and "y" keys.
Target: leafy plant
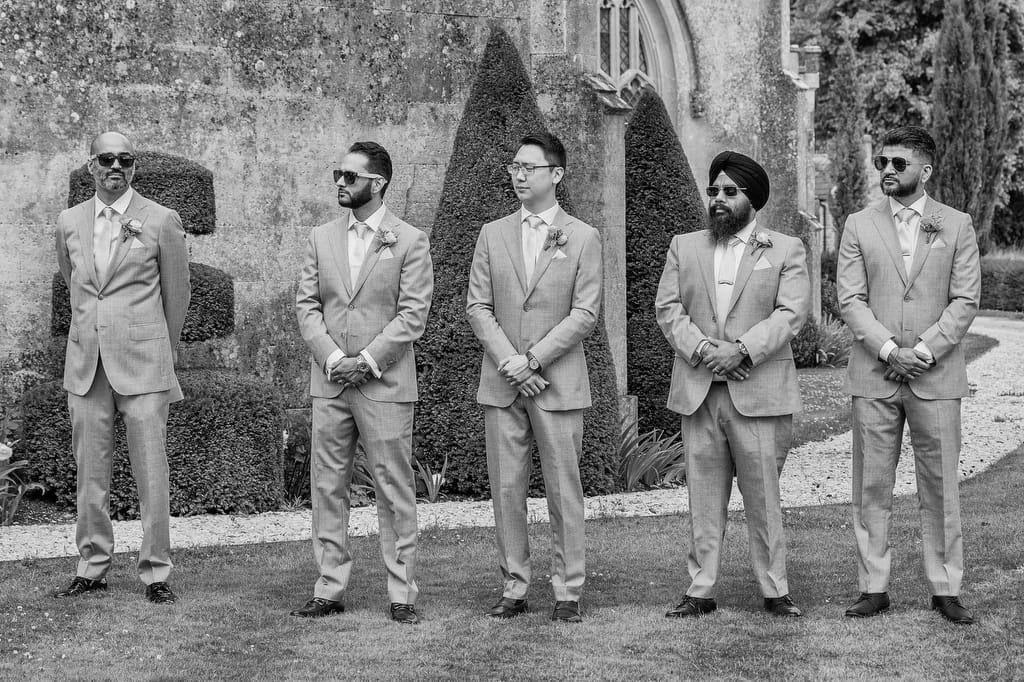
{"x": 651, "y": 459}
{"x": 12, "y": 488}
{"x": 431, "y": 482}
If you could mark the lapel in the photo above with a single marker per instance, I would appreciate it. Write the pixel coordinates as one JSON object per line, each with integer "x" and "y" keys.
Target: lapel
{"x": 563, "y": 221}
{"x": 136, "y": 209}
{"x": 86, "y": 219}
{"x": 389, "y": 222}
{"x": 885, "y": 225}
{"x": 750, "y": 255}
{"x": 922, "y": 250}
{"x": 705, "y": 254}
{"x": 337, "y": 237}
{"x": 512, "y": 235}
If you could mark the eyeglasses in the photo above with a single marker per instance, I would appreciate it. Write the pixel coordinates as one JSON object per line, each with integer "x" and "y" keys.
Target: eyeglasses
{"x": 350, "y": 176}
{"x": 899, "y": 164}
{"x": 527, "y": 168}
{"x": 107, "y": 160}
{"x": 728, "y": 190}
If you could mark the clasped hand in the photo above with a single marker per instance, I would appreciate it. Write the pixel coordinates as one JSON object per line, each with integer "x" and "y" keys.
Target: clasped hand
{"x": 516, "y": 371}
{"x": 906, "y": 364}
{"x": 724, "y": 358}
{"x": 347, "y": 373}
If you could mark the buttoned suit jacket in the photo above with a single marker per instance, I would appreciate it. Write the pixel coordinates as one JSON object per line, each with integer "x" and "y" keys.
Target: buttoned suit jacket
{"x": 769, "y": 304}
{"x": 134, "y": 318}
{"x": 549, "y": 316}
{"x": 384, "y": 313}
{"x": 935, "y": 302}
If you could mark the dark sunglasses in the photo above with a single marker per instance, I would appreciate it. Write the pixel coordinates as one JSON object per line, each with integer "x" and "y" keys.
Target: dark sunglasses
{"x": 899, "y": 164}
{"x": 351, "y": 176}
{"x": 729, "y": 190}
{"x": 107, "y": 160}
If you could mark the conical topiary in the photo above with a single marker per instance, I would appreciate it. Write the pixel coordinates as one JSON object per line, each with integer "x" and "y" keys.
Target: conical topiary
{"x": 500, "y": 110}
{"x": 662, "y": 200}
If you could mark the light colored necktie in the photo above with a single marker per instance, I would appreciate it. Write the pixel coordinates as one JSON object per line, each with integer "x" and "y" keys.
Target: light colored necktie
{"x": 534, "y": 224}
{"x": 906, "y": 233}
{"x": 726, "y": 280}
{"x": 357, "y": 250}
{"x": 105, "y": 226}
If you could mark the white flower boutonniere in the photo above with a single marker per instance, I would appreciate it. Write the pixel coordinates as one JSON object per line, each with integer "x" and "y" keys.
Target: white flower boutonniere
{"x": 130, "y": 227}
{"x": 556, "y": 237}
{"x": 931, "y": 225}
{"x": 761, "y": 240}
{"x": 384, "y": 239}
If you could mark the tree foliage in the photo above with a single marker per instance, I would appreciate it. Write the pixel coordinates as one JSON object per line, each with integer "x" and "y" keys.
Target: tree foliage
{"x": 846, "y": 148}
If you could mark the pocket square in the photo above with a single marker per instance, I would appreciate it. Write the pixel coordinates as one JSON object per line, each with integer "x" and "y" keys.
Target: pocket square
{"x": 386, "y": 253}
{"x": 136, "y": 244}
{"x": 559, "y": 255}
{"x": 937, "y": 243}
{"x": 763, "y": 264}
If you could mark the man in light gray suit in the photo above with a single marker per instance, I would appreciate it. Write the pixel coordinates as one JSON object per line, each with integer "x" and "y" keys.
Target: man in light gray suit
{"x": 124, "y": 260}
{"x": 909, "y": 282}
{"x": 534, "y": 295}
{"x": 730, "y": 300}
{"x": 363, "y": 298}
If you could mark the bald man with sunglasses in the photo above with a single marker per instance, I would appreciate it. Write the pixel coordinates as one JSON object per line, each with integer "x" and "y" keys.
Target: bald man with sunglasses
{"x": 909, "y": 283}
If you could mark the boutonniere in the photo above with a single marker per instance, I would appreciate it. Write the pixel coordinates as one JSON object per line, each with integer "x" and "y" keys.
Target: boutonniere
{"x": 384, "y": 239}
{"x": 761, "y": 240}
{"x": 556, "y": 237}
{"x": 930, "y": 224}
{"x": 130, "y": 227}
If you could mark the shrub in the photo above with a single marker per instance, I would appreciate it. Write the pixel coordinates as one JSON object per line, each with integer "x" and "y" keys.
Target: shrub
{"x": 1002, "y": 283}
{"x": 826, "y": 343}
{"x": 271, "y": 346}
{"x": 805, "y": 346}
{"x": 501, "y": 108}
{"x": 223, "y": 447}
{"x": 652, "y": 459}
{"x": 662, "y": 200}
{"x": 171, "y": 181}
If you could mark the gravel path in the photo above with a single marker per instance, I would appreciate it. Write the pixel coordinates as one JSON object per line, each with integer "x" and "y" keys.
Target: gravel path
{"x": 815, "y": 474}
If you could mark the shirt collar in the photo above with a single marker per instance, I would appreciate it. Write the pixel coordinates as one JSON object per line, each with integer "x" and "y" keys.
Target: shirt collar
{"x": 120, "y": 205}
{"x": 744, "y": 234}
{"x": 373, "y": 221}
{"x": 895, "y": 206}
{"x": 547, "y": 215}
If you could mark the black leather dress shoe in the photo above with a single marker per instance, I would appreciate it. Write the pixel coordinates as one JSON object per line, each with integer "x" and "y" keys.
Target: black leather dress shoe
{"x": 160, "y": 593}
{"x": 782, "y": 606}
{"x": 691, "y": 607}
{"x": 404, "y": 613}
{"x": 869, "y": 604}
{"x": 317, "y": 607}
{"x": 567, "y": 612}
{"x": 508, "y": 608}
{"x": 80, "y": 586}
{"x": 952, "y": 610}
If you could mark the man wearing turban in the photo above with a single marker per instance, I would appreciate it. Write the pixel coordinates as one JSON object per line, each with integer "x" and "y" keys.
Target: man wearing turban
{"x": 730, "y": 300}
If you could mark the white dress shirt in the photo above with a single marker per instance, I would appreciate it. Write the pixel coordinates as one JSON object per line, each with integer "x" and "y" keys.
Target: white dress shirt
{"x": 120, "y": 205}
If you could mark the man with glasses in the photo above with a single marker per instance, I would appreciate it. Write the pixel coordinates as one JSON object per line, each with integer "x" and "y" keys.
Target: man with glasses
{"x": 124, "y": 260}
{"x": 534, "y": 295}
{"x": 363, "y": 298}
{"x": 909, "y": 283}
{"x": 730, "y": 300}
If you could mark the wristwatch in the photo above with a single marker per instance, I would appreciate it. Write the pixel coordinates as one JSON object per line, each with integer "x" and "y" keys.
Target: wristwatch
{"x": 743, "y": 349}
{"x": 362, "y": 365}
{"x": 534, "y": 362}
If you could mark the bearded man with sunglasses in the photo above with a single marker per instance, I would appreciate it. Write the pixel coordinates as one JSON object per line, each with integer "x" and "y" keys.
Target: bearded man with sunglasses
{"x": 124, "y": 260}
{"x": 909, "y": 283}
{"x": 363, "y": 298}
{"x": 730, "y": 300}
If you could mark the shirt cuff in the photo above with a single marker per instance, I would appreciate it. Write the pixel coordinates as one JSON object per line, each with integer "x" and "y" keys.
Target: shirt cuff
{"x": 887, "y": 348}
{"x": 333, "y": 359}
{"x": 923, "y": 349}
{"x": 371, "y": 362}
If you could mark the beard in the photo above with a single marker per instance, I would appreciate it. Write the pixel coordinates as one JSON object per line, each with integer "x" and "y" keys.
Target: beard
{"x": 902, "y": 188}
{"x": 724, "y": 223}
{"x": 354, "y": 199}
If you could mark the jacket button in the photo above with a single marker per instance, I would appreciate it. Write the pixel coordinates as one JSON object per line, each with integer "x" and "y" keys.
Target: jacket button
{"x": 526, "y": 308}
{"x": 351, "y": 307}
{"x": 100, "y": 297}
{"x": 907, "y": 297}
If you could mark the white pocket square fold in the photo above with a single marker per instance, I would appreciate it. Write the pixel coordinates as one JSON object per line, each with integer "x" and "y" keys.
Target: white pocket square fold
{"x": 559, "y": 255}
{"x": 136, "y": 244}
{"x": 763, "y": 264}
{"x": 937, "y": 243}
{"x": 386, "y": 254}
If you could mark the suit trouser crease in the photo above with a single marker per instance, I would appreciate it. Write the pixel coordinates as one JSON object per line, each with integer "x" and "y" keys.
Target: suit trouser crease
{"x": 145, "y": 420}
{"x": 720, "y": 442}
{"x": 510, "y": 432}
{"x": 385, "y": 429}
{"x": 935, "y": 436}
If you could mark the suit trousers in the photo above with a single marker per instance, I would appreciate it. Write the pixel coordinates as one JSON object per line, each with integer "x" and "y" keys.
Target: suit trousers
{"x": 385, "y": 430}
{"x": 510, "y": 433}
{"x": 721, "y": 442}
{"x": 92, "y": 441}
{"x": 935, "y": 435}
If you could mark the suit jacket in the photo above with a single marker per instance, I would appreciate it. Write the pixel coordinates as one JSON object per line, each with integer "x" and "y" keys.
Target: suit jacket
{"x": 134, "y": 318}
{"x": 935, "y": 302}
{"x": 384, "y": 313}
{"x": 548, "y": 316}
{"x": 769, "y": 305}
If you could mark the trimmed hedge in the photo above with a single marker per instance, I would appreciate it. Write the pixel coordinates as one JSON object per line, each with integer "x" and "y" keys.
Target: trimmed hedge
{"x": 662, "y": 200}
{"x": 211, "y": 310}
{"x": 171, "y": 181}
{"x": 501, "y": 108}
{"x": 224, "y": 447}
{"x": 271, "y": 346}
{"x": 1002, "y": 283}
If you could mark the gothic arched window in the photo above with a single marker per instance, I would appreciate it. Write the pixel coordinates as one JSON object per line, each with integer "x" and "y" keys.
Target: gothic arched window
{"x": 623, "y": 52}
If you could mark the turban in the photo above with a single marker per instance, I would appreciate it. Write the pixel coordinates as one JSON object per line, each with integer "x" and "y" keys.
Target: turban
{"x": 745, "y": 172}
